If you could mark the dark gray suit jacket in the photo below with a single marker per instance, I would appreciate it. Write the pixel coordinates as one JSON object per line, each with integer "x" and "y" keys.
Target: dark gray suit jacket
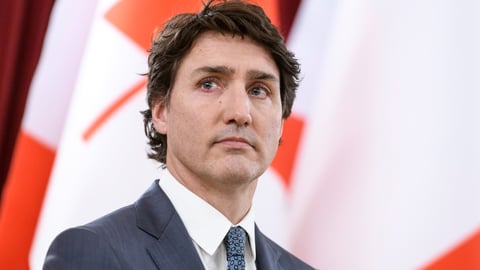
{"x": 146, "y": 235}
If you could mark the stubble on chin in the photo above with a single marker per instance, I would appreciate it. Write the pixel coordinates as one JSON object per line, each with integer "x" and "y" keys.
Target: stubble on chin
{"x": 234, "y": 170}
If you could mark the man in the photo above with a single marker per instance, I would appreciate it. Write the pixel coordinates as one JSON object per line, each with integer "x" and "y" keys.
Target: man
{"x": 220, "y": 84}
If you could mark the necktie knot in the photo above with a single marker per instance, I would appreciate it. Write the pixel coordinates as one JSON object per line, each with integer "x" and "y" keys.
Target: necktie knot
{"x": 235, "y": 246}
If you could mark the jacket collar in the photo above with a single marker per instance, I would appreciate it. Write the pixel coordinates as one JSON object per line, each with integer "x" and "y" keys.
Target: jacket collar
{"x": 172, "y": 248}
{"x": 267, "y": 255}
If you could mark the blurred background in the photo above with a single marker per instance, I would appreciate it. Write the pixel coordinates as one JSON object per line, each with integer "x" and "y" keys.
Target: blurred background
{"x": 380, "y": 165}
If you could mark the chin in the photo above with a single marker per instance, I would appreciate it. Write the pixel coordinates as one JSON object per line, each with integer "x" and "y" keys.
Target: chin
{"x": 239, "y": 172}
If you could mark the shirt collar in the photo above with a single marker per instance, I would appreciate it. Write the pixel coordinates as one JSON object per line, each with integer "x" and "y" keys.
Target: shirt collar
{"x": 205, "y": 224}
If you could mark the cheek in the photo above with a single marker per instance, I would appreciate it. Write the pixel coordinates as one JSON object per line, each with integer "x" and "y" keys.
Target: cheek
{"x": 181, "y": 123}
{"x": 273, "y": 132}
{"x": 187, "y": 123}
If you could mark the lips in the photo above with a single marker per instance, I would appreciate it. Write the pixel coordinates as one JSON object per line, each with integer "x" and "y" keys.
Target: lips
{"x": 235, "y": 142}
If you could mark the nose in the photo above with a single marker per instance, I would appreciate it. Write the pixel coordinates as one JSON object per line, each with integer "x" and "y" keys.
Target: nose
{"x": 236, "y": 107}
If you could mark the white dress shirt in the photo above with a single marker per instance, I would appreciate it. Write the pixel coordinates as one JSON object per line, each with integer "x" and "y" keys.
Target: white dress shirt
{"x": 206, "y": 225}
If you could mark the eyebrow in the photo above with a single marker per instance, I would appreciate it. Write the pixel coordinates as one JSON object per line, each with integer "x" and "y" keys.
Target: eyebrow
{"x": 224, "y": 70}
{"x": 261, "y": 75}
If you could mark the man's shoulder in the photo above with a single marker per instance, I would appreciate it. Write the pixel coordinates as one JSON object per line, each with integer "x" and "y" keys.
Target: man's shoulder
{"x": 107, "y": 242}
{"x": 124, "y": 218}
{"x": 92, "y": 244}
{"x": 113, "y": 226}
{"x": 120, "y": 219}
{"x": 110, "y": 228}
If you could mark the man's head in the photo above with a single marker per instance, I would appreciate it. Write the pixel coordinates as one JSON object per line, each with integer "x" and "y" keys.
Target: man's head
{"x": 174, "y": 42}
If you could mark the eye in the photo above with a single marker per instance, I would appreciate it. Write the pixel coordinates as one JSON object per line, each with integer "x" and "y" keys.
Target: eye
{"x": 208, "y": 84}
{"x": 259, "y": 91}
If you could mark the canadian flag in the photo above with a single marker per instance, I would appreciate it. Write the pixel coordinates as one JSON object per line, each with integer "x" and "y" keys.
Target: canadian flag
{"x": 42, "y": 125}
{"x": 101, "y": 162}
{"x": 388, "y": 174}
{"x": 380, "y": 166}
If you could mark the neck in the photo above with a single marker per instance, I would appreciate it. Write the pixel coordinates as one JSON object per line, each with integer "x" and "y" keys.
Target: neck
{"x": 233, "y": 204}
{"x": 231, "y": 198}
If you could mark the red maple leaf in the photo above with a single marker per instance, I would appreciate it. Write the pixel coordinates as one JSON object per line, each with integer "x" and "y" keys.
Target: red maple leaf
{"x": 138, "y": 19}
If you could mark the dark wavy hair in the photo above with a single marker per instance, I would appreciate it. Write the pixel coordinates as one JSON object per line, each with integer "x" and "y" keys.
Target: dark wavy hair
{"x": 174, "y": 41}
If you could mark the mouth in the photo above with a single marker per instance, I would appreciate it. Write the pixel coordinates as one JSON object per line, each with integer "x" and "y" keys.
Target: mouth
{"x": 235, "y": 142}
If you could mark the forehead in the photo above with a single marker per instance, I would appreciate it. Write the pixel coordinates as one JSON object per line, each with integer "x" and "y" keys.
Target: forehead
{"x": 241, "y": 54}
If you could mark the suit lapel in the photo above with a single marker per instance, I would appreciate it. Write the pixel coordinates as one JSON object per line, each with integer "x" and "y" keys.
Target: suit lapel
{"x": 171, "y": 246}
{"x": 267, "y": 256}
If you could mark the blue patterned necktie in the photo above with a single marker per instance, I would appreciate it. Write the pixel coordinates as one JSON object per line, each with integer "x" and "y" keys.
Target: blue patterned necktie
{"x": 235, "y": 246}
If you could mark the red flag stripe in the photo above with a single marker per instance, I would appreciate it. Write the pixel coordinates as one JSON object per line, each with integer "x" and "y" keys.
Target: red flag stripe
{"x": 287, "y": 151}
{"x": 22, "y": 200}
{"x": 464, "y": 256}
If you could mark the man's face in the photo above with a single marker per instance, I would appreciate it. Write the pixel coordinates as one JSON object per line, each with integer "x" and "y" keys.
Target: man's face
{"x": 224, "y": 119}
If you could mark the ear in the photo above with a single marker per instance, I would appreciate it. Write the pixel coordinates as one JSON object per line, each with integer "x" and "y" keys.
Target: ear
{"x": 159, "y": 117}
